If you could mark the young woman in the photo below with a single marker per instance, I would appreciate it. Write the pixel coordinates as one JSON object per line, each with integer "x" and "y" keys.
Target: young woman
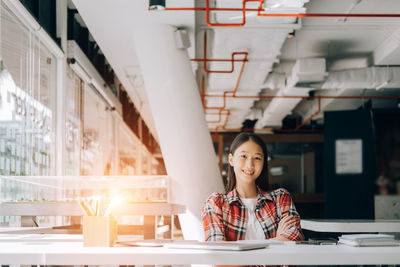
{"x": 248, "y": 210}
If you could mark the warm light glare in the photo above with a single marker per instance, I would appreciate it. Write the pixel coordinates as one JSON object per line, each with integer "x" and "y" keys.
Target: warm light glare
{"x": 115, "y": 202}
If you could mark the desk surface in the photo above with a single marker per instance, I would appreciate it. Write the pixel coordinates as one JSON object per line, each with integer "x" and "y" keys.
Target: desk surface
{"x": 352, "y": 226}
{"x": 51, "y": 250}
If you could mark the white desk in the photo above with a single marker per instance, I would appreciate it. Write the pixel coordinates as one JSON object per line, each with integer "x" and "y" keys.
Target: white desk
{"x": 352, "y": 226}
{"x": 45, "y": 251}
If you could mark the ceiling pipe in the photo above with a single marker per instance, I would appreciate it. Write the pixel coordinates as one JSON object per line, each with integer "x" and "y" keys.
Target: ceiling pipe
{"x": 298, "y": 127}
{"x": 264, "y": 130}
{"x": 206, "y": 70}
{"x": 209, "y": 108}
{"x": 210, "y": 24}
{"x": 233, "y": 92}
{"x": 305, "y": 97}
{"x": 209, "y": 9}
{"x": 232, "y": 60}
{"x": 226, "y": 111}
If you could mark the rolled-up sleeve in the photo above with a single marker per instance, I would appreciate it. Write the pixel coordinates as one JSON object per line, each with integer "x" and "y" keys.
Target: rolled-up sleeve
{"x": 213, "y": 219}
{"x": 286, "y": 207}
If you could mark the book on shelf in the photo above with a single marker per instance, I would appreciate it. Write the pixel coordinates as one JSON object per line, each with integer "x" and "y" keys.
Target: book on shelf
{"x": 368, "y": 240}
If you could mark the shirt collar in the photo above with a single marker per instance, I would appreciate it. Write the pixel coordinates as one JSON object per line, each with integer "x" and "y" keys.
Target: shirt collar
{"x": 263, "y": 196}
{"x": 233, "y": 196}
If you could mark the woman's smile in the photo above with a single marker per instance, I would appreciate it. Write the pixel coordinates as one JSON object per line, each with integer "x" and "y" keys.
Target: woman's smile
{"x": 248, "y": 173}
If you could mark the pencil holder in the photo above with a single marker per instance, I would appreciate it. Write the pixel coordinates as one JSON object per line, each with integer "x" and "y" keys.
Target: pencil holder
{"x": 99, "y": 231}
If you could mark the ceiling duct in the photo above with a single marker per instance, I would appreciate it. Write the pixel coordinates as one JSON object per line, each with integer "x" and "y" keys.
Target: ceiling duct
{"x": 307, "y": 72}
{"x": 388, "y": 53}
{"x": 349, "y": 63}
{"x": 366, "y": 78}
{"x": 275, "y": 81}
{"x": 279, "y": 107}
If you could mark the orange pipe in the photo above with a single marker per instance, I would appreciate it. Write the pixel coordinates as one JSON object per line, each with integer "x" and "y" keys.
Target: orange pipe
{"x": 291, "y": 97}
{"x": 225, "y": 93}
{"x": 272, "y": 129}
{"x": 306, "y": 97}
{"x": 298, "y": 127}
{"x": 219, "y": 115}
{"x": 206, "y": 70}
{"x": 209, "y": 23}
{"x": 209, "y": 9}
{"x": 226, "y": 121}
{"x": 220, "y": 109}
{"x": 232, "y": 60}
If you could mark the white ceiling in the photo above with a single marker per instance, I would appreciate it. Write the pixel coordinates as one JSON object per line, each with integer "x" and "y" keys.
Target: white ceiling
{"x": 343, "y": 43}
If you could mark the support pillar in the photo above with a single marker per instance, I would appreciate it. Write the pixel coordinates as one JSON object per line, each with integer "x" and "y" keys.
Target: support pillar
{"x": 179, "y": 120}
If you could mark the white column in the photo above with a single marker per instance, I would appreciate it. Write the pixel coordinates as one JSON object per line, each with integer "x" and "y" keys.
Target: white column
{"x": 180, "y": 123}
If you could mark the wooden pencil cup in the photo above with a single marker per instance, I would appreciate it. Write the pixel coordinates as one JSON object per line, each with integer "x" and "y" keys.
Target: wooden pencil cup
{"x": 99, "y": 231}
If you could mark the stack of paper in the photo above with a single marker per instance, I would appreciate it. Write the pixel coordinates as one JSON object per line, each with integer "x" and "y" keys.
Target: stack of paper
{"x": 368, "y": 240}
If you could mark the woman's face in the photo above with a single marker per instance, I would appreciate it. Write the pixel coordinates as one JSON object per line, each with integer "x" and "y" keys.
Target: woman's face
{"x": 247, "y": 162}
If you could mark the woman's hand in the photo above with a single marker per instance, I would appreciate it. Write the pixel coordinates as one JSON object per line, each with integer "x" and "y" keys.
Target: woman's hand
{"x": 285, "y": 224}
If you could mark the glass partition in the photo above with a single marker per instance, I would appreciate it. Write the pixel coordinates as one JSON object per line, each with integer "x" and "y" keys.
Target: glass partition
{"x": 98, "y": 137}
{"x": 133, "y": 189}
{"x": 73, "y": 123}
{"x": 27, "y": 101}
{"x": 127, "y": 149}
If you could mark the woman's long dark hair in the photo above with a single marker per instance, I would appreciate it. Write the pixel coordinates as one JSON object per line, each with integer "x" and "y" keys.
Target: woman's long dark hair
{"x": 262, "y": 180}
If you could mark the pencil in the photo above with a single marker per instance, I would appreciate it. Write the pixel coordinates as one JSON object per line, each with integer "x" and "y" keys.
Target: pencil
{"x": 85, "y": 208}
{"x": 97, "y": 207}
{"x": 109, "y": 208}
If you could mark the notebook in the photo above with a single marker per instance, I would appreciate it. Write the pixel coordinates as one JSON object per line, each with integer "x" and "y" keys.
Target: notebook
{"x": 368, "y": 240}
{"x": 219, "y": 245}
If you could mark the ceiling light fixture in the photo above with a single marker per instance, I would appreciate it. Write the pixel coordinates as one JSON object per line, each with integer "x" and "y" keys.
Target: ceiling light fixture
{"x": 382, "y": 85}
{"x": 182, "y": 38}
{"x": 156, "y": 5}
{"x": 291, "y": 34}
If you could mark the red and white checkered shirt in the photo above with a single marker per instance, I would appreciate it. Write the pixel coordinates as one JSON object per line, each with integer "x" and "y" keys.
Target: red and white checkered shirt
{"x": 225, "y": 216}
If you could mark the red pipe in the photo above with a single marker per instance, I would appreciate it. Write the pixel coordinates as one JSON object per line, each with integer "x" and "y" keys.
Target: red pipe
{"x": 270, "y": 128}
{"x": 232, "y": 60}
{"x": 206, "y": 70}
{"x": 204, "y": 104}
{"x": 305, "y": 97}
{"x": 298, "y": 127}
{"x": 209, "y": 9}
{"x": 209, "y": 23}
{"x": 226, "y": 93}
{"x": 219, "y": 115}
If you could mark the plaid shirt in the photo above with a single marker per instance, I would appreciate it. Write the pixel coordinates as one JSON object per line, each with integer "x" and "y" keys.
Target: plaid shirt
{"x": 225, "y": 216}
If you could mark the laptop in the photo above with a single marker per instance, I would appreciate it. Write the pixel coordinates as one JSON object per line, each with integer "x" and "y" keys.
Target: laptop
{"x": 218, "y": 245}
{"x": 145, "y": 242}
{"x": 193, "y": 244}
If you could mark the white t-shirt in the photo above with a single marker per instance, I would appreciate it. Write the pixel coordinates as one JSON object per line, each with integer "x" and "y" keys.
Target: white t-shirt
{"x": 254, "y": 230}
